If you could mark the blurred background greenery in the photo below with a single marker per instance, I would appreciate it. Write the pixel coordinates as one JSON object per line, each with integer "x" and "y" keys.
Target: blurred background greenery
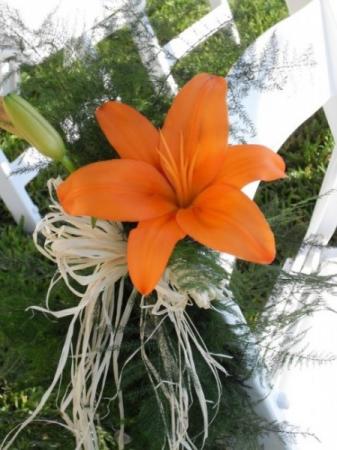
{"x": 30, "y": 343}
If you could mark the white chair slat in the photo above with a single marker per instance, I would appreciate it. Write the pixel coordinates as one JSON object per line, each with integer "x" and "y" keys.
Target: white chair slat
{"x": 27, "y": 166}
{"x": 197, "y": 33}
{"x": 311, "y": 391}
{"x": 276, "y": 114}
{"x": 16, "y": 198}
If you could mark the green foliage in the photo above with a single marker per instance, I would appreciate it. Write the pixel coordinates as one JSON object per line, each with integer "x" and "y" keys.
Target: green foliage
{"x": 255, "y": 17}
{"x": 196, "y": 267}
{"x": 171, "y": 17}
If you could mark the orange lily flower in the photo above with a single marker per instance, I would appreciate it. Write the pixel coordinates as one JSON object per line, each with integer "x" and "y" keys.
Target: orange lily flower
{"x": 182, "y": 180}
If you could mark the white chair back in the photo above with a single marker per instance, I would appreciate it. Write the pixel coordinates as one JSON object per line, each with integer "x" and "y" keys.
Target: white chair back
{"x": 309, "y": 394}
{"x": 280, "y": 99}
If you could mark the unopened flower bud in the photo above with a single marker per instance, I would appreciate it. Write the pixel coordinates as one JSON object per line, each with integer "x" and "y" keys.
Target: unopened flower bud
{"x": 33, "y": 127}
{"x": 5, "y": 122}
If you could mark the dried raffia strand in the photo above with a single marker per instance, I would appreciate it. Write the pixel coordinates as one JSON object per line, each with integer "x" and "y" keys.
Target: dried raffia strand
{"x": 91, "y": 261}
{"x": 95, "y": 259}
{"x": 171, "y": 303}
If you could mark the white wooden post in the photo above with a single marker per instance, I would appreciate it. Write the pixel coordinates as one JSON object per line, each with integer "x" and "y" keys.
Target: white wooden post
{"x": 324, "y": 219}
{"x": 12, "y": 188}
{"x": 159, "y": 60}
{"x": 311, "y": 390}
{"x": 233, "y": 28}
{"x": 151, "y": 53}
{"x": 8, "y": 71}
{"x": 220, "y": 17}
{"x": 311, "y": 36}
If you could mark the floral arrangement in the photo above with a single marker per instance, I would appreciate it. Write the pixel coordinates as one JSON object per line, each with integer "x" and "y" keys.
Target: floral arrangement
{"x": 115, "y": 229}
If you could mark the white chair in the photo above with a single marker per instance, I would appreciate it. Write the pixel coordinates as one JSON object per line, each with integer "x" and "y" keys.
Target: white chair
{"x": 306, "y": 70}
{"x": 309, "y": 82}
{"x": 90, "y": 22}
{"x": 311, "y": 390}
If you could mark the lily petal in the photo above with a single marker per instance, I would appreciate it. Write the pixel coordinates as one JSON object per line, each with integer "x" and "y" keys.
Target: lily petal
{"x": 197, "y": 125}
{"x": 129, "y": 132}
{"x": 124, "y": 190}
{"x": 225, "y": 219}
{"x": 246, "y": 163}
{"x": 149, "y": 248}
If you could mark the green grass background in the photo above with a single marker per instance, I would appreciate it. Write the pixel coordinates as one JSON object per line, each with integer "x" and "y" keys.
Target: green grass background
{"x": 30, "y": 343}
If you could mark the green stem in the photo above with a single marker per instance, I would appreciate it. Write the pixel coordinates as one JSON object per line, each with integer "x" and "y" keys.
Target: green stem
{"x": 93, "y": 222}
{"x": 68, "y": 164}
{"x": 10, "y": 129}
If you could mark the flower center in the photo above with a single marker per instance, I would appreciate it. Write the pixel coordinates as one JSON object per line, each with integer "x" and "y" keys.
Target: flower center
{"x": 179, "y": 170}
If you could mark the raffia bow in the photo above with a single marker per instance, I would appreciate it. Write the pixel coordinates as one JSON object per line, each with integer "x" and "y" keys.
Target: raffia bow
{"x": 91, "y": 260}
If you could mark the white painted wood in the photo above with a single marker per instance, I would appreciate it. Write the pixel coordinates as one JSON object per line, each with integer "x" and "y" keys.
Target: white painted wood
{"x": 296, "y": 5}
{"x": 94, "y": 20}
{"x": 15, "y": 196}
{"x": 153, "y": 56}
{"x": 276, "y": 114}
{"x": 197, "y": 33}
{"x": 9, "y": 71}
{"x": 33, "y": 161}
{"x": 232, "y": 26}
{"x": 310, "y": 391}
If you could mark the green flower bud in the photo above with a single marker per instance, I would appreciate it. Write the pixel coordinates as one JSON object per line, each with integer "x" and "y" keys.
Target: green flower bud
{"x": 34, "y": 128}
{"x": 5, "y": 122}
